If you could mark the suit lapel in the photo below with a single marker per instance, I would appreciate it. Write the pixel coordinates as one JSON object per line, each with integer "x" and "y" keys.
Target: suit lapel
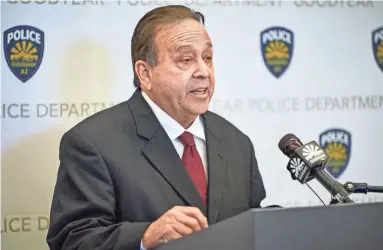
{"x": 161, "y": 153}
{"x": 216, "y": 168}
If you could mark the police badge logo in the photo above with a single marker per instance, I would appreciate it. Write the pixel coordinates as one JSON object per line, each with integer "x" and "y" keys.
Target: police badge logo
{"x": 377, "y": 46}
{"x": 277, "y": 45}
{"x": 23, "y": 49}
{"x": 337, "y": 144}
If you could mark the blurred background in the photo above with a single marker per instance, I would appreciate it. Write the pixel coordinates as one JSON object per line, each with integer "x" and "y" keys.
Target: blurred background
{"x": 312, "y": 68}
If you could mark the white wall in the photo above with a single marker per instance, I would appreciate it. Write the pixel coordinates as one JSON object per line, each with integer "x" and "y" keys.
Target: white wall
{"x": 86, "y": 63}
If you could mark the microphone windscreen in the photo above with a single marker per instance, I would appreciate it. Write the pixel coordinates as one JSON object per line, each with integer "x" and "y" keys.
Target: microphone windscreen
{"x": 289, "y": 143}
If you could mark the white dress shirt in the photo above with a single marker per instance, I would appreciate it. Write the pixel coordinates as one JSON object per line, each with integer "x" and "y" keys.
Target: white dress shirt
{"x": 174, "y": 130}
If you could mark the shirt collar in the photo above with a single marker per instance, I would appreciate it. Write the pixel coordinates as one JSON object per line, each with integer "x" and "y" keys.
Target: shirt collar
{"x": 171, "y": 126}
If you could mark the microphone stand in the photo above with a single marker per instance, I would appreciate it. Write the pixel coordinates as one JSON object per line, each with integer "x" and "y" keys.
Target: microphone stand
{"x": 362, "y": 188}
{"x": 359, "y": 188}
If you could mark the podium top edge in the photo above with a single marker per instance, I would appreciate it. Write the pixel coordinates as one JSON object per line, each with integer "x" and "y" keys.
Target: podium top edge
{"x": 332, "y": 206}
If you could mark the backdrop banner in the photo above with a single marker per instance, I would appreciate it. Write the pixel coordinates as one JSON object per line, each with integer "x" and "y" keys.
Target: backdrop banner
{"x": 312, "y": 68}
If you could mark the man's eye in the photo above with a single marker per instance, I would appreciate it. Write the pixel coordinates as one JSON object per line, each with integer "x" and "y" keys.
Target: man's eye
{"x": 187, "y": 60}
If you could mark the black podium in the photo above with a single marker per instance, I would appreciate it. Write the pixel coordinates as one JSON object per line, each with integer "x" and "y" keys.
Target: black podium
{"x": 335, "y": 227}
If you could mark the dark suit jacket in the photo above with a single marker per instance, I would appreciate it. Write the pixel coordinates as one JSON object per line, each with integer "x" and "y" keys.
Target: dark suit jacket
{"x": 119, "y": 171}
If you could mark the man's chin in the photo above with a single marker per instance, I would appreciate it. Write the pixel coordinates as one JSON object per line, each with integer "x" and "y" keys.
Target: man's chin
{"x": 198, "y": 109}
{"x": 195, "y": 106}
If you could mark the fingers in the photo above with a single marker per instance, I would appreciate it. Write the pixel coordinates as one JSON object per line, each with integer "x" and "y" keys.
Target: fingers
{"x": 195, "y": 213}
{"x": 174, "y": 224}
{"x": 189, "y": 222}
{"x": 173, "y": 232}
{"x": 182, "y": 229}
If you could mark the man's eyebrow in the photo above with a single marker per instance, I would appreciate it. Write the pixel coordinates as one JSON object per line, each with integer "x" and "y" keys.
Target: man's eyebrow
{"x": 208, "y": 45}
{"x": 190, "y": 47}
{"x": 183, "y": 47}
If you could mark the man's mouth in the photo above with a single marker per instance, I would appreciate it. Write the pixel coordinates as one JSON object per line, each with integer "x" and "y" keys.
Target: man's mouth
{"x": 199, "y": 91}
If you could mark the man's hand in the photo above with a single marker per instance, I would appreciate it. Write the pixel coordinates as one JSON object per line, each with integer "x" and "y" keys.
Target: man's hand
{"x": 175, "y": 223}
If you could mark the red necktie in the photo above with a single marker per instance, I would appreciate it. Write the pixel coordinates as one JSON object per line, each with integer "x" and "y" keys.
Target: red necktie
{"x": 193, "y": 164}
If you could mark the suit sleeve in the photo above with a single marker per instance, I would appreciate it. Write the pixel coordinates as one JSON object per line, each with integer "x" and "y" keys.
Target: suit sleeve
{"x": 257, "y": 189}
{"x": 83, "y": 207}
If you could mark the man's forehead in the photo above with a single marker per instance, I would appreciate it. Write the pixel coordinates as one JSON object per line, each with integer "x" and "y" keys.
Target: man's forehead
{"x": 190, "y": 46}
{"x": 185, "y": 35}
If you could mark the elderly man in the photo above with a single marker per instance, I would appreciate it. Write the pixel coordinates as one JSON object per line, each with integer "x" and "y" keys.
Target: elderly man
{"x": 160, "y": 165}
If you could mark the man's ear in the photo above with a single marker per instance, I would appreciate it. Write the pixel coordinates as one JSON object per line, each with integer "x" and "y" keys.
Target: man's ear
{"x": 143, "y": 71}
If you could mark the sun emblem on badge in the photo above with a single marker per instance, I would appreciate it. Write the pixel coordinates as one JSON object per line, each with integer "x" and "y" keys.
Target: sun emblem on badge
{"x": 24, "y": 51}
{"x": 338, "y": 156}
{"x": 379, "y": 51}
{"x": 336, "y": 151}
{"x": 277, "y": 50}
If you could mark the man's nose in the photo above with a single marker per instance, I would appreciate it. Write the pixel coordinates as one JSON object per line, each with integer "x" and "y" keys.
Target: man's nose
{"x": 202, "y": 70}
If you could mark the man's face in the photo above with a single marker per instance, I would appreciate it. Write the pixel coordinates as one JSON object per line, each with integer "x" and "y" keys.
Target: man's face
{"x": 183, "y": 79}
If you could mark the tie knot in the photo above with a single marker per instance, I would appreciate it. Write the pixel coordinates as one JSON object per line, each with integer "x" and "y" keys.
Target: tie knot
{"x": 187, "y": 139}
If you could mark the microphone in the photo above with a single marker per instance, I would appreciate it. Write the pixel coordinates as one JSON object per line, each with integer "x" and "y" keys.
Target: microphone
{"x": 307, "y": 162}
